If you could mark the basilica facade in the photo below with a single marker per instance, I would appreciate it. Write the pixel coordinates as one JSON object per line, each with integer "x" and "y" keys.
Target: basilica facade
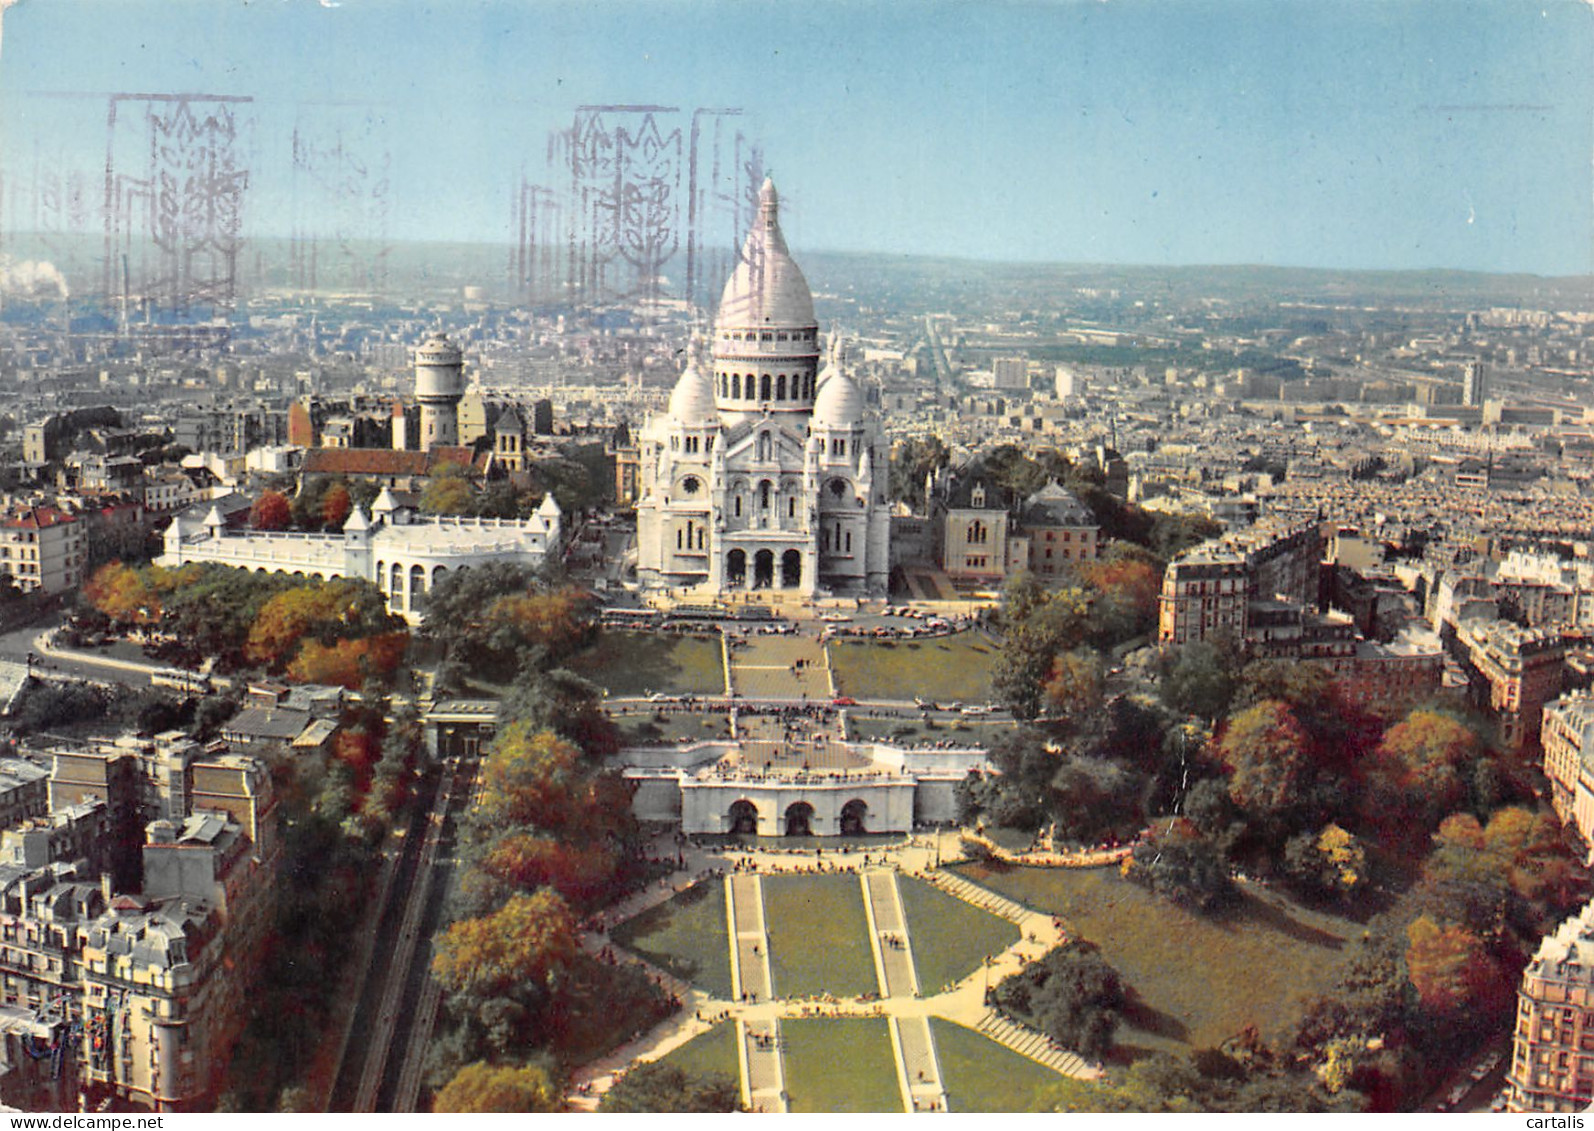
{"x": 765, "y": 473}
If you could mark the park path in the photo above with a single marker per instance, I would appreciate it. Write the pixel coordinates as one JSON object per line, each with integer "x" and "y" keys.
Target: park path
{"x": 752, "y": 981}
{"x": 918, "y": 1067}
{"x": 907, "y": 1014}
{"x": 888, "y": 934}
{"x": 763, "y": 1069}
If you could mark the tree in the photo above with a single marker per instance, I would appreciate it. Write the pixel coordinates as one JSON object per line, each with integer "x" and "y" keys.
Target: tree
{"x": 1201, "y": 679}
{"x": 580, "y": 872}
{"x": 1265, "y": 750}
{"x": 1092, "y": 798}
{"x": 350, "y": 663}
{"x": 335, "y": 506}
{"x": 1453, "y": 971}
{"x": 912, "y": 462}
{"x": 660, "y": 1087}
{"x": 1520, "y": 866}
{"x": 1419, "y": 771}
{"x": 448, "y": 491}
{"x": 1176, "y": 861}
{"x": 554, "y": 621}
{"x": 1072, "y": 993}
{"x": 1031, "y": 643}
{"x": 566, "y": 703}
{"x": 1125, "y": 586}
{"x": 271, "y": 511}
{"x": 483, "y": 1087}
{"x": 123, "y": 594}
{"x": 1075, "y": 685}
{"x": 527, "y": 942}
{"x": 1330, "y": 862}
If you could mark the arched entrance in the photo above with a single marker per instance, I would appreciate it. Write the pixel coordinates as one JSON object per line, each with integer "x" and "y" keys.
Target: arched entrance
{"x": 736, "y": 568}
{"x": 799, "y": 819}
{"x": 852, "y": 817}
{"x": 743, "y": 818}
{"x": 791, "y": 569}
{"x": 763, "y": 569}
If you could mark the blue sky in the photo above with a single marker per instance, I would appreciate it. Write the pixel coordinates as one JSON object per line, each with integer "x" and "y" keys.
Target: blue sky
{"x": 1399, "y": 134}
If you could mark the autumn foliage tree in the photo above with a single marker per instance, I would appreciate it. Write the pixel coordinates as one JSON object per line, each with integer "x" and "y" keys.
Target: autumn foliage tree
{"x": 1265, "y": 750}
{"x": 350, "y": 663}
{"x": 448, "y": 491}
{"x": 124, "y": 594}
{"x": 335, "y": 506}
{"x": 1418, "y": 773}
{"x": 1454, "y": 971}
{"x": 527, "y": 942}
{"x": 482, "y": 1088}
{"x": 271, "y": 511}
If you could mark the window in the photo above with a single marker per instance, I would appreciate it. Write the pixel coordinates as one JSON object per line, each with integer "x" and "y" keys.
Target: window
{"x": 780, "y": 384}
{"x": 763, "y": 495}
{"x": 849, "y": 541}
{"x": 791, "y": 507}
{"x": 738, "y": 506}
{"x": 763, "y": 387}
{"x": 689, "y": 485}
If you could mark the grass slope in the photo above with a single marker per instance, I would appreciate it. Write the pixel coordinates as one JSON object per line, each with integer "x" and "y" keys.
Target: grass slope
{"x": 944, "y": 668}
{"x": 713, "y": 1051}
{"x": 840, "y": 1064}
{"x": 950, "y": 938}
{"x": 818, "y": 936}
{"x": 685, "y": 935}
{"x": 1196, "y": 980}
{"x": 638, "y": 663}
{"x": 980, "y": 1075}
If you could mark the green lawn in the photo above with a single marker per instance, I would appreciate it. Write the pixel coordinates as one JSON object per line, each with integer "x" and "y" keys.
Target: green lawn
{"x": 818, "y": 936}
{"x": 1197, "y": 980}
{"x": 947, "y": 668}
{"x": 652, "y": 728}
{"x": 840, "y": 1064}
{"x": 639, "y": 663}
{"x": 713, "y": 1051}
{"x": 950, "y": 938}
{"x": 980, "y": 1075}
{"x": 685, "y": 935}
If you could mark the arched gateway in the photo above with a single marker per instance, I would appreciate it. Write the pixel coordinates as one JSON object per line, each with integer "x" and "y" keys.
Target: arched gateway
{"x": 799, "y": 819}
{"x": 743, "y": 819}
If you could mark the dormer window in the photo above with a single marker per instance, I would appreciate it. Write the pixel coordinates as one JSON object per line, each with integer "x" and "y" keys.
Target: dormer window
{"x": 977, "y": 496}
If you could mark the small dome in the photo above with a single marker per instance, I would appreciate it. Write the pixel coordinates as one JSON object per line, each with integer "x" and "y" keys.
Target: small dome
{"x": 692, "y": 402}
{"x": 767, "y": 288}
{"x": 838, "y": 404}
{"x": 437, "y": 350}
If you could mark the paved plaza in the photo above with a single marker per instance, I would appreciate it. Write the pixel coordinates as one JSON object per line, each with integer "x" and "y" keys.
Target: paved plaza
{"x": 758, "y": 1006}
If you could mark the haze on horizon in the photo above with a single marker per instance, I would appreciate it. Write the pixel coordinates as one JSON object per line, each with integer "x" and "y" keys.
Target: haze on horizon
{"x": 1354, "y": 135}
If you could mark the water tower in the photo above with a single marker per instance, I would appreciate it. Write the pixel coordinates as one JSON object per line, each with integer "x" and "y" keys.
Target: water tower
{"x": 439, "y": 385}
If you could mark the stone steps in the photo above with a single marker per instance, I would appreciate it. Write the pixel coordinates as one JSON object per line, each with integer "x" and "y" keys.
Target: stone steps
{"x": 1036, "y": 1046}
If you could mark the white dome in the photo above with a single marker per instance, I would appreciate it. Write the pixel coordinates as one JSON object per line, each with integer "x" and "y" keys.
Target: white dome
{"x": 767, "y": 288}
{"x": 692, "y": 402}
{"x": 838, "y": 403}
